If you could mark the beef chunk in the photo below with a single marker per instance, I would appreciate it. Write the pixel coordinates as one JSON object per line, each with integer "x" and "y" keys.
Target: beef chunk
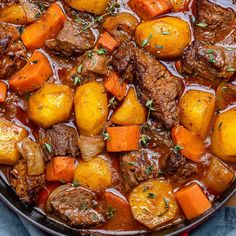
{"x": 139, "y": 166}
{"x": 62, "y": 140}
{"x": 26, "y": 186}
{"x": 212, "y": 53}
{"x": 77, "y": 206}
{"x": 13, "y": 55}
{"x": 70, "y": 41}
{"x": 154, "y": 81}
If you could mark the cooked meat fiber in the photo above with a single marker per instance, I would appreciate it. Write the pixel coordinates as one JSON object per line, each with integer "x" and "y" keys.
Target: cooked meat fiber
{"x": 70, "y": 41}
{"x": 155, "y": 82}
{"x": 77, "y": 206}
{"x": 25, "y": 186}
{"x": 62, "y": 141}
{"x": 12, "y": 53}
{"x": 213, "y": 53}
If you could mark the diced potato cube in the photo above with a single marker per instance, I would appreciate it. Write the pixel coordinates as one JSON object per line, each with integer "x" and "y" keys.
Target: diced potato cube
{"x": 197, "y": 108}
{"x": 223, "y": 138}
{"x": 50, "y": 105}
{"x": 95, "y": 174}
{"x": 10, "y": 134}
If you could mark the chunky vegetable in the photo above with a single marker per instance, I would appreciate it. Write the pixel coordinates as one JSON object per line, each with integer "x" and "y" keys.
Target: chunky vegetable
{"x": 50, "y": 105}
{"x": 95, "y": 174}
{"x": 3, "y": 92}
{"x": 123, "y": 138}
{"x": 148, "y": 9}
{"x": 32, "y": 75}
{"x": 108, "y": 42}
{"x": 115, "y": 86}
{"x": 95, "y": 7}
{"x": 192, "y": 201}
{"x": 10, "y": 134}
{"x": 189, "y": 144}
{"x": 33, "y": 154}
{"x": 197, "y": 109}
{"x": 60, "y": 169}
{"x": 165, "y": 37}
{"x": 47, "y": 27}
{"x": 131, "y": 112}
{"x": 218, "y": 177}
{"x": 153, "y": 203}
{"x": 223, "y": 137}
{"x": 91, "y": 108}
{"x": 90, "y": 146}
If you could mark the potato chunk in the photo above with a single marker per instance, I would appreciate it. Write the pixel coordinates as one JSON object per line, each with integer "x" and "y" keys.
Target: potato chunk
{"x": 223, "y": 138}
{"x": 50, "y": 105}
{"x": 218, "y": 177}
{"x": 153, "y": 203}
{"x": 95, "y": 174}
{"x": 166, "y": 37}
{"x": 197, "y": 108}
{"x": 91, "y": 108}
{"x": 131, "y": 112}
{"x": 10, "y": 134}
{"x": 95, "y": 7}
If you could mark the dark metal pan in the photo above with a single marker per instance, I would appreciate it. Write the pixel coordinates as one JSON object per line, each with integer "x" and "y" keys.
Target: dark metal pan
{"x": 8, "y": 196}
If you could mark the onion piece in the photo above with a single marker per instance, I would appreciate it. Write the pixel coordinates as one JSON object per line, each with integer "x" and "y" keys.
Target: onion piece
{"x": 34, "y": 157}
{"x": 90, "y": 146}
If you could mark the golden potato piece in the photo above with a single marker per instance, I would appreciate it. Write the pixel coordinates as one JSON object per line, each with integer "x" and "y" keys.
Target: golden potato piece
{"x": 95, "y": 174}
{"x": 131, "y": 112}
{"x": 196, "y": 111}
{"x": 97, "y": 7}
{"x": 166, "y": 37}
{"x": 91, "y": 108}
{"x": 223, "y": 138}
{"x": 50, "y": 105}
{"x": 10, "y": 134}
{"x": 153, "y": 203}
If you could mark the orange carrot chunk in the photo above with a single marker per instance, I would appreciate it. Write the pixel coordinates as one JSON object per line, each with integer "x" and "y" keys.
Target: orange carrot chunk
{"x": 115, "y": 86}
{"x": 189, "y": 144}
{"x": 32, "y": 75}
{"x": 61, "y": 168}
{"x": 108, "y": 42}
{"x": 123, "y": 138}
{"x": 192, "y": 201}
{"x": 3, "y": 92}
{"x": 148, "y": 9}
{"x": 47, "y": 27}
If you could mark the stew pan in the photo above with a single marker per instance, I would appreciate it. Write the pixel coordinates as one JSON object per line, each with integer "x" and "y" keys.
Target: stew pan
{"x": 40, "y": 220}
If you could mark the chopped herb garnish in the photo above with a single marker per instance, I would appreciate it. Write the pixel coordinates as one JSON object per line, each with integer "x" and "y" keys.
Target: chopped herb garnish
{"x": 105, "y": 135}
{"x": 48, "y": 147}
{"x": 203, "y": 25}
{"x": 34, "y": 62}
{"x": 177, "y": 148}
{"x": 149, "y": 104}
{"x": 165, "y": 32}
{"x": 151, "y": 195}
{"x": 20, "y": 29}
{"x": 167, "y": 206}
{"x": 101, "y": 51}
{"x": 146, "y": 40}
{"x": 37, "y": 15}
{"x": 62, "y": 181}
{"x": 145, "y": 188}
{"x": 41, "y": 6}
{"x": 27, "y": 95}
{"x": 79, "y": 70}
{"x": 149, "y": 169}
{"x": 75, "y": 183}
{"x": 159, "y": 46}
{"x": 131, "y": 163}
{"x": 231, "y": 69}
{"x": 220, "y": 125}
{"x": 212, "y": 59}
{"x": 77, "y": 80}
{"x": 112, "y": 103}
{"x": 210, "y": 51}
{"x": 144, "y": 140}
{"x": 110, "y": 212}
{"x": 84, "y": 207}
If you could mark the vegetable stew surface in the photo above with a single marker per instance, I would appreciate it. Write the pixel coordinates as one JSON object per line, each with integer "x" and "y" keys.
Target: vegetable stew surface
{"x": 118, "y": 115}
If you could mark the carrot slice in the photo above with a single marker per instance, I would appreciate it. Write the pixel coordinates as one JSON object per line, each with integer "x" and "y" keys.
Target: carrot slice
{"x": 193, "y": 201}
{"x": 60, "y": 168}
{"x": 115, "y": 86}
{"x": 32, "y": 75}
{"x": 108, "y": 42}
{"x": 148, "y": 9}
{"x": 123, "y": 138}
{"x": 191, "y": 146}
{"x": 3, "y": 92}
{"x": 47, "y": 27}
